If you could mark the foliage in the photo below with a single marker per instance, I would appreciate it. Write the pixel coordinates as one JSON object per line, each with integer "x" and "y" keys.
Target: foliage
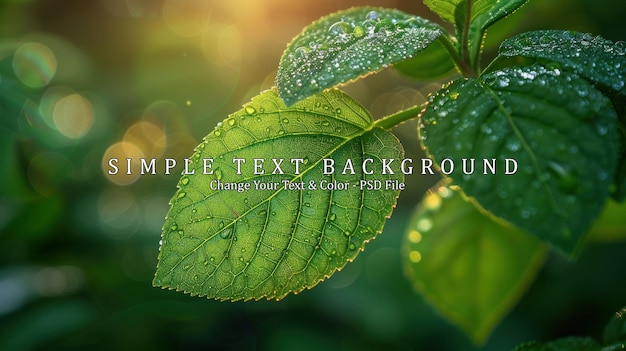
{"x": 557, "y": 112}
{"x": 614, "y": 339}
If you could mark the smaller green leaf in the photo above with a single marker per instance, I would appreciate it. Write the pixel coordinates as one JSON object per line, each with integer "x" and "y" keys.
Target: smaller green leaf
{"x": 561, "y": 132}
{"x": 472, "y": 268}
{"x": 434, "y": 62}
{"x": 347, "y": 45}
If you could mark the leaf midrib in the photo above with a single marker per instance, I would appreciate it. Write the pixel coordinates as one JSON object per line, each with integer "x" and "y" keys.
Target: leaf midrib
{"x": 529, "y": 151}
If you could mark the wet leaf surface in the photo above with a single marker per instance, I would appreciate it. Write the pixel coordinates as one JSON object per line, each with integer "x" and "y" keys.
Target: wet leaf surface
{"x": 600, "y": 61}
{"x": 347, "y": 45}
{"x": 561, "y": 132}
{"x": 292, "y": 227}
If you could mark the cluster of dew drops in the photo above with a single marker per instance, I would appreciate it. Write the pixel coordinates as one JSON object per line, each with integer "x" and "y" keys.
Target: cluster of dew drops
{"x": 580, "y": 48}
{"x": 316, "y": 56}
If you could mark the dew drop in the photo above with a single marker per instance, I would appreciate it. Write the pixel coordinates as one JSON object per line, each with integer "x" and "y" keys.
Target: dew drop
{"x": 340, "y": 27}
{"x": 181, "y": 194}
{"x": 301, "y": 52}
{"x": 332, "y": 217}
{"x": 620, "y": 48}
{"x": 372, "y": 15}
{"x": 225, "y": 234}
{"x": 250, "y": 110}
{"x": 352, "y": 246}
{"x": 174, "y": 227}
{"x": 347, "y": 233}
{"x": 285, "y": 120}
{"x": 325, "y": 123}
{"x": 184, "y": 181}
{"x": 217, "y": 133}
{"x": 358, "y": 32}
{"x": 263, "y": 213}
{"x": 545, "y": 41}
{"x": 231, "y": 122}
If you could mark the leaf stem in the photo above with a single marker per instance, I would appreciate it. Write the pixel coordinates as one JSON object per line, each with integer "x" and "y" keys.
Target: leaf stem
{"x": 396, "y": 119}
{"x": 492, "y": 65}
{"x": 460, "y": 64}
{"x": 465, "y": 35}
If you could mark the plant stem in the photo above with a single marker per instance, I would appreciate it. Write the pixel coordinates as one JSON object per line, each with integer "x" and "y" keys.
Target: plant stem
{"x": 460, "y": 64}
{"x": 465, "y": 35}
{"x": 398, "y": 118}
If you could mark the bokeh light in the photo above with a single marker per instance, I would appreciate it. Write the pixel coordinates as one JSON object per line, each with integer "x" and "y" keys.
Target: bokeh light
{"x": 34, "y": 64}
{"x": 148, "y": 137}
{"x": 122, "y": 172}
{"x": 73, "y": 116}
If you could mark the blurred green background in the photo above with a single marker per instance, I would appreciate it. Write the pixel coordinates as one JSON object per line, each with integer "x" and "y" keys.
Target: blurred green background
{"x": 84, "y": 81}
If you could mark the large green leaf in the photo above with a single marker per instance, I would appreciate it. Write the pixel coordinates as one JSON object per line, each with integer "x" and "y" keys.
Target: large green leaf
{"x": 347, "y": 45}
{"x": 600, "y": 61}
{"x": 561, "y": 131}
{"x": 473, "y": 16}
{"x": 472, "y": 268}
{"x": 266, "y": 243}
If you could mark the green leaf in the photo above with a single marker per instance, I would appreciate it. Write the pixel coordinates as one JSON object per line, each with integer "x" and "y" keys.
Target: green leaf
{"x": 600, "y": 61}
{"x": 472, "y": 268}
{"x": 620, "y": 180}
{"x": 474, "y": 16}
{"x": 347, "y": 45}
{"x": 561, "y": 132}
{"x": 610, "y": 225}
{"x": 615, "y": 331}
{"x": 253, "y": 244}
{"x": 434, "y": 62}
{"x": 565, "y": 344}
